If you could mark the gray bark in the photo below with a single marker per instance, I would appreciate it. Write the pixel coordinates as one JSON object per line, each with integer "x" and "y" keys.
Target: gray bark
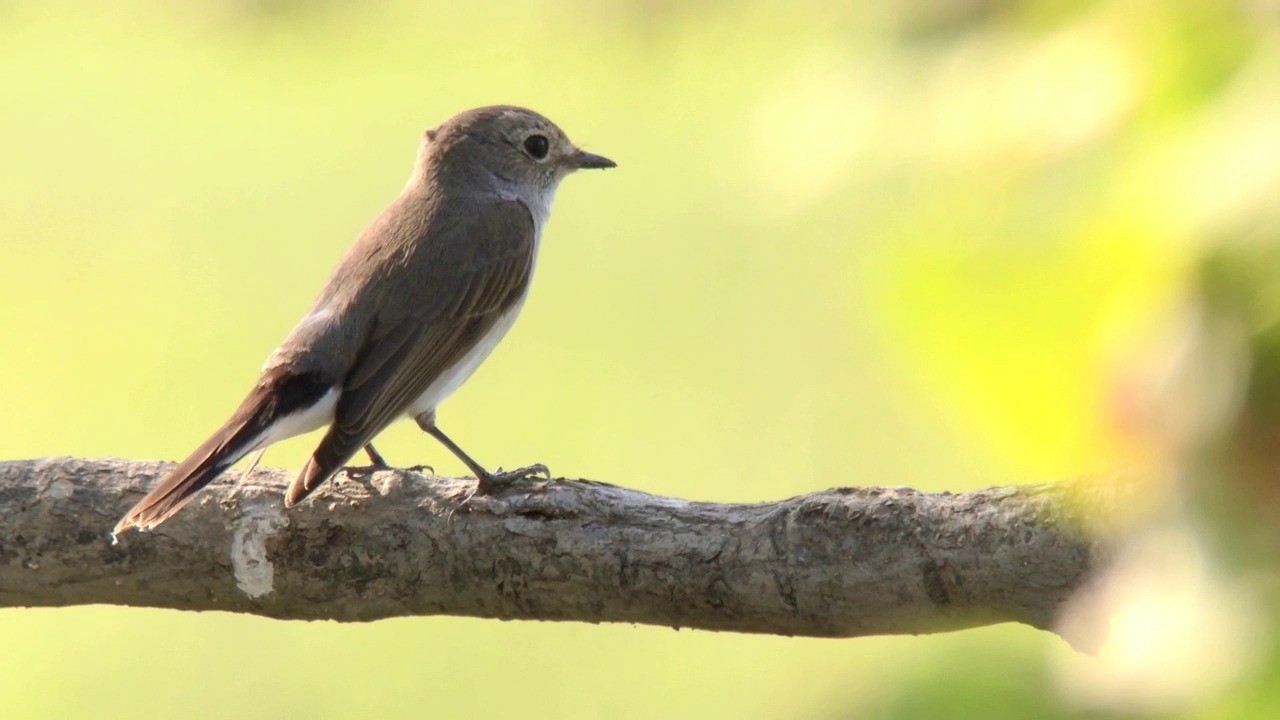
{"x": 838, "y": 563}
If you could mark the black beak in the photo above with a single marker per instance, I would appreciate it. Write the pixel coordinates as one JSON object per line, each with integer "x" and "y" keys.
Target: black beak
{"x": 583, "y": 160}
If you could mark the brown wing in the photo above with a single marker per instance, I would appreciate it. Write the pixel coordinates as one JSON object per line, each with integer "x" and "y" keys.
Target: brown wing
{"x": 472, "y": 277}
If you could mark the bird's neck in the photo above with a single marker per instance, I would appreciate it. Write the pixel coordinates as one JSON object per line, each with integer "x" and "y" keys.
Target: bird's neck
{"x": 537, "y": 197}
{"x": 484, "y": 183}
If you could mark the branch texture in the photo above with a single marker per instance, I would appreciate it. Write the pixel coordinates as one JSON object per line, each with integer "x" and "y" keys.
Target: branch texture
{"x": 839, "y": 563}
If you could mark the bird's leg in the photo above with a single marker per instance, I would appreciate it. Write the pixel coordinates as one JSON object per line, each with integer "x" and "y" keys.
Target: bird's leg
{"x": 375, "y": 457}
{"x": 486, "y": 482}
{"x": 376, "y": 463}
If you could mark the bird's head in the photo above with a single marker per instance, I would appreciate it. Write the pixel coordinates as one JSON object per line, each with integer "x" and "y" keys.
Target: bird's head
{"x": 504, "y": 145}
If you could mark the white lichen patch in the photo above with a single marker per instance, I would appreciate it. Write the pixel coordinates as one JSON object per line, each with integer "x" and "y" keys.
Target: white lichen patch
{"x": 254, "y": 573}
{"x": 60, "y": 489}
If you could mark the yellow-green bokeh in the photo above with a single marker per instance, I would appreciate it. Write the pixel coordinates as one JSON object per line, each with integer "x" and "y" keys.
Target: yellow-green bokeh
{"x": 885, "y": 244}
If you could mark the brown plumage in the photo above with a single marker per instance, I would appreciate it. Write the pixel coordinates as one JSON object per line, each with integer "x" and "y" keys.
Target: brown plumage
{"x": 418, "y": 301}
{"x": 414, "y": 345}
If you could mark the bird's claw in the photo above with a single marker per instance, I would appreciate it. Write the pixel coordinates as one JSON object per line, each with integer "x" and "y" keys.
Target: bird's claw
{"x": 364, "y": 471}
{"x": 493, "y": 482}
{"x": 489, "y": 483}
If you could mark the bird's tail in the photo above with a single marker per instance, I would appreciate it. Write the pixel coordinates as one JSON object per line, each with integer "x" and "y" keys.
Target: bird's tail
{"x": 224, "y": 449}
{"x": 263, "y": 418}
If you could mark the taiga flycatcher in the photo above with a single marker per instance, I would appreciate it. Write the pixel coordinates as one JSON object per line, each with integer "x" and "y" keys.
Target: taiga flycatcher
{"x": 412, "y": 309}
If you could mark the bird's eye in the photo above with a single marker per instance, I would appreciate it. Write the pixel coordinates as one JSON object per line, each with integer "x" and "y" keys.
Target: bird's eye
{"x": 537, "y": 146}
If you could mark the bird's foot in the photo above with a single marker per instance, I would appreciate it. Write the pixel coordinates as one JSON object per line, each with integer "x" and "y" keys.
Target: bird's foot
{"x": 376, "y": 464}
{"x": 364, "y": 471}
{"x": 490, "y": 483}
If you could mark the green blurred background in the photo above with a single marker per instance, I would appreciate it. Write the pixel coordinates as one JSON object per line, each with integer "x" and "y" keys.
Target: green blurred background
{"x": 886, "y": 243}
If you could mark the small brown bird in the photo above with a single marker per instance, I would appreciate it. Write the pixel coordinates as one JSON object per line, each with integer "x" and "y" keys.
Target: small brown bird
{"x": 412, "y": 309}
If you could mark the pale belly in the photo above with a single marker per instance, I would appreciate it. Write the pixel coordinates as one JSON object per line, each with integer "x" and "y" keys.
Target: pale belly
{"x": 452, "y": 379}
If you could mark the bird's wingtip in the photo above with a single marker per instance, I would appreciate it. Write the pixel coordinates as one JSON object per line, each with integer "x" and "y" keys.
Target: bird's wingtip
{"x": 296, "y": 490}
{"x": 308, "y": 479}
{"x": 122, "y": 527}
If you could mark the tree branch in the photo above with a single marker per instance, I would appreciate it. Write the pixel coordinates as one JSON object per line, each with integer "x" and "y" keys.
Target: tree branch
{"x": 839, "y": 563}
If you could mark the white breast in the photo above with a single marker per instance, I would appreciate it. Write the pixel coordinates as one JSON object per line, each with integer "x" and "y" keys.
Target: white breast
{"x": 538, "y": 200}
{"x": 452, "y": 378}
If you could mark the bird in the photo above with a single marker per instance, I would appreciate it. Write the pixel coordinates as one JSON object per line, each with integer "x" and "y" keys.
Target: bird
{"x": 414, "y": 306}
